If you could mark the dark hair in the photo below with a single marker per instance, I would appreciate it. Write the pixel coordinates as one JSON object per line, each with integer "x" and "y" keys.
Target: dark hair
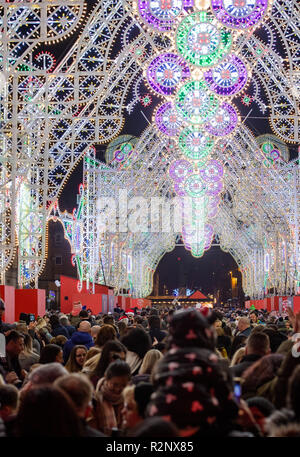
{"x": 108, "y": 319}
{"x": 142, "y": 394}
{"x": 83, "y": 313}
{"x": 118, "y": 368}
{"x": 47, "y": 411}
{"x": 106, "y": 333}
{"x": 54, "y": 321}
{"x": 153, "y": 312}
{"x": 9, "y": 395}
{"x": 72, "y": 366}
{"x": 49, "y": 353}
{"x": 13, "y": 336}
{"x": 160, "y": 346}
{"x": 104, "y": 360}
{"x": 155, "y": 427}
{"x": 154, "y": 321}
{"x": 138, "y": 341}
{"x": 227, "y": 330}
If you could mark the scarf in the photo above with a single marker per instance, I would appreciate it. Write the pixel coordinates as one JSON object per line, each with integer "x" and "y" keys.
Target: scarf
{"x": 111, "y": 405}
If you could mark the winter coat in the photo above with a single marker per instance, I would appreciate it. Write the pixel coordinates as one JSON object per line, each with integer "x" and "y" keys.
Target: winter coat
{"x": 83, "y": 338}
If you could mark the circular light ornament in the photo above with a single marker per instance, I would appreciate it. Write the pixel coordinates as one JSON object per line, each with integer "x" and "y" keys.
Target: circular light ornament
{"x": 180, "y": 169}
{"x": 195, "y": 104}
{"x": 228, "y": 78}
{"x": 213, "y": 171}
{"x": 168, "y": 120}
{"x": 224, "y": 121}
{"x": 239, "y": 14}
{"x": 160, "y": 14}
{"x": 165, "y": 72}
{"x": 214, "y": 187}
{"x": 195, "y": 144}
{"x": 179, "y": 188}
{"x": 194, "y": 186}
{"x": 202, "y": 42}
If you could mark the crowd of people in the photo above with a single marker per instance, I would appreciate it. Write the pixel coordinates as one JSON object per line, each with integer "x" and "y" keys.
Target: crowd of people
{"x": 156, "y": 372}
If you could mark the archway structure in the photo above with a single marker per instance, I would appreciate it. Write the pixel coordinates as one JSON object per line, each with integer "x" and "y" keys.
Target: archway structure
{"x": 202, "y": 59}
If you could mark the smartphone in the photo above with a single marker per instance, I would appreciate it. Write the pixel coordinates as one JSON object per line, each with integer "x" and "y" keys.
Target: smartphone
{"x": 237, "y": 390}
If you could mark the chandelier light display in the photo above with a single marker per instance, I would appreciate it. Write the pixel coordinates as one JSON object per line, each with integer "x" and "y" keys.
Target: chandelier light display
{"x": 209, "y": 63}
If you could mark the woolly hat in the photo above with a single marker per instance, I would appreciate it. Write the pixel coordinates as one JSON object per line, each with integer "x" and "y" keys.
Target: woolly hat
{"x": 124, "y": 319}
{"x": 190, "y": 328}
{"x": 130, "y": 312}
{"x": 192, "y": 388}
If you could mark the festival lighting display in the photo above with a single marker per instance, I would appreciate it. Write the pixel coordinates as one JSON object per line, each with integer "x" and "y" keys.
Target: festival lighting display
{"x": 239, "y": 14}
{"x": 200, "y": 41}
{"x": 228, "y": 78}
{"x": 165, "y": 72}
{"x": 202, "y": 59}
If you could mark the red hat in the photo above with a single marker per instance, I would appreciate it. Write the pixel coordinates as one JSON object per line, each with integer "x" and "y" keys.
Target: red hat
{"x": 129, "y": 311}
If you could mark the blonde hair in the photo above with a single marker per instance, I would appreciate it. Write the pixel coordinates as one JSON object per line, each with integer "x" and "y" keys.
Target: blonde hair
{"x": 92, "y": 352}
{"x": 237, "y": 357}
{"x": 90, "y": 364}
{"x": 150, "y": 359}
{"x": 128, "y": 393}
{"x": 41, "y": 323}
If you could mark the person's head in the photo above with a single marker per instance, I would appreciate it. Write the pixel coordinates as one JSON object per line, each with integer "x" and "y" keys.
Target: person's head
{"x": 83, "y": 314}
{"x": 76, "y": 358}
{"x": 227, "y": 331}
{"x": 108, "y": 320}
{"x": 293, "y": 395}
{"x": 54, "y": 321}
{"x": 138, "y": 341}
{"x": 46, "y": 411}
{"x": 14, "y": 343}
{"x": 64, "y": 321}
{"x": 94, "y": 350}
{"x": 46, "y": 374}
{"x": 59, "y": 340}
{"x": 253, "y": 317}
{"x": 122, "y": 326}
{"x": 112, "y": 350}
{"x": 261, "y": 409}
{"x": 153, "y": 312}
{"x": 84, "y": 327}
{"x": 21, "y": 327}
{"x": 9, "y": 399}
{"x": 79, "y": 389}
{"x": 2, "y": 307}
{"x": 192, "y": 386}
{"x": 136, "y": 399}
{"x": 106, "y": 333}
{"x": 150, "y": 359}
{"x": 258, "y": 343}
{"x": 154, "y": 322}
{"x": 138, "y": 320}
{"x": 190, "y": 328}
{"x": 117, "y": 376}
{"x": 243, "y": 323}
{"x": 51, "y": 353}
{"x": 94, "y": 331}
{"x": 262, "y": 371}
{"x": 28, "y": 343}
